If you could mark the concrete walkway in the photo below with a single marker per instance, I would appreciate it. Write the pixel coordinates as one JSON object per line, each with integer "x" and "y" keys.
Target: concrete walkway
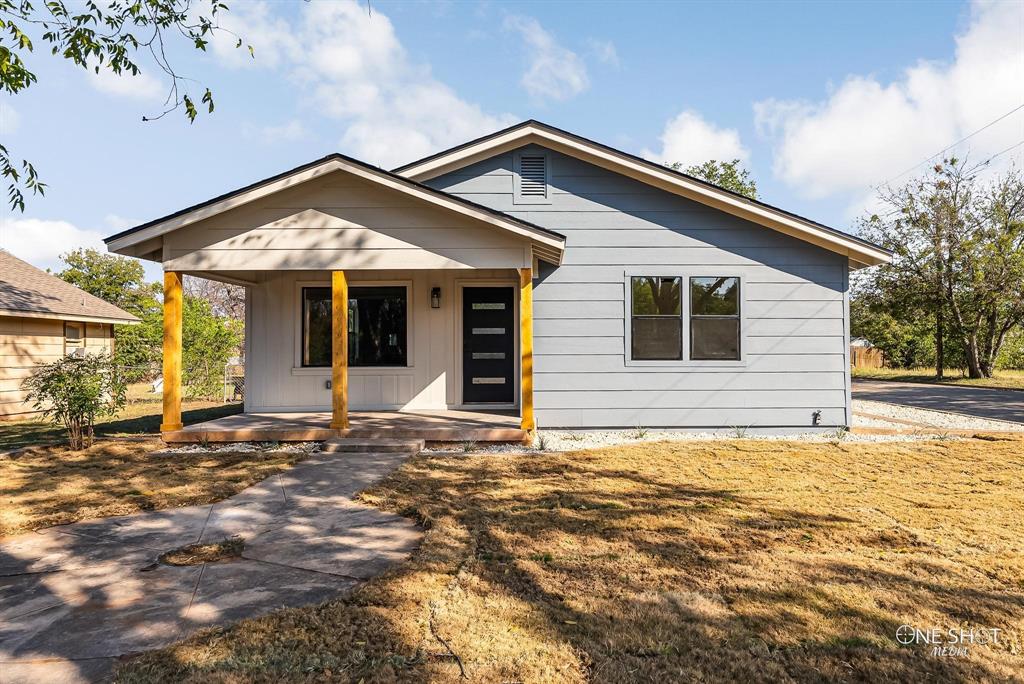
{"x": 981, "y": 402}
{"x": 73, "y": 598}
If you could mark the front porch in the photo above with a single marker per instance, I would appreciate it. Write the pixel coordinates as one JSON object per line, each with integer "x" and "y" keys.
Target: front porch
{"x": 430, "y": 426}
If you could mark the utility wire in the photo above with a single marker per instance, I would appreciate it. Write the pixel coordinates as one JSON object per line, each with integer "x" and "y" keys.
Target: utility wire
{"x": 946, "y": 149}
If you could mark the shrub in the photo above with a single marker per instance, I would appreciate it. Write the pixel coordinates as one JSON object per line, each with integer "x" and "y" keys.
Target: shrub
{"x": 74, "y": 392}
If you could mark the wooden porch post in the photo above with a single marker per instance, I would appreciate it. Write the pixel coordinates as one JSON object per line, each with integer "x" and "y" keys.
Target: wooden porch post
{"x": 526, "y": 349}
{"x": 172, "y": 352}
{"x": 339, "y": 351}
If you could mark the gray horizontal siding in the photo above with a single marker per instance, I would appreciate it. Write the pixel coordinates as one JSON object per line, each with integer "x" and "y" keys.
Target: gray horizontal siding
{"x": 793, "y": 299}
{"x": 616, "y": 363}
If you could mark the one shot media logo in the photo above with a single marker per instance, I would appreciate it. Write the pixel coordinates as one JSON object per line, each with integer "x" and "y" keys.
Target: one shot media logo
{"x": 947, "y": 642}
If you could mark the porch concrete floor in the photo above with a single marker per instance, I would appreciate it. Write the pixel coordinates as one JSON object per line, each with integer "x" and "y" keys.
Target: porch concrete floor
{"x": 431, "y": 426}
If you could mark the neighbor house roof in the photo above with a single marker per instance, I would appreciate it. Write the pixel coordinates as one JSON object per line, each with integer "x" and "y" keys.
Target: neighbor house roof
{"x": 28, "y": 291}
{"x": 860, "y": 252}
{"x": 547, "y": 244}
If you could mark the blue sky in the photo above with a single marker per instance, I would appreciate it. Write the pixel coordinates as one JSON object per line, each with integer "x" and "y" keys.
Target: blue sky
{"x": 820, "y": 100}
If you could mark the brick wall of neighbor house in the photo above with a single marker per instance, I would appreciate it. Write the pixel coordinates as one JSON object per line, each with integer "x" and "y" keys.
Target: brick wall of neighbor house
{"x": 25, "y": 342}
{"x": 794, "y": 301}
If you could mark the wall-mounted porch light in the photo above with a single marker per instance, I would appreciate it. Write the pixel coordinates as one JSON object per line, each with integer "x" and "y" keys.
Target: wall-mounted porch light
{"x": 435, "y": 298}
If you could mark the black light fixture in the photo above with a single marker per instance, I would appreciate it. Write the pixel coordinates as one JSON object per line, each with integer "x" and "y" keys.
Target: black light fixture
{"x": 435, "y": 298}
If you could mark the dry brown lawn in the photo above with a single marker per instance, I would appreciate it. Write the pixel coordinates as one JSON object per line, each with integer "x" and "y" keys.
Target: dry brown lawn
{"x": 727, "y": 561}
{"x": 52, "y": 485}
{"x": 1002, "y": 379}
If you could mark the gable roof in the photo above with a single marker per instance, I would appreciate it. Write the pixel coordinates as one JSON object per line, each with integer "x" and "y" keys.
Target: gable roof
{"x": 860, "y": 252}
{"x": 28, "y": 291}
{"x": 547, "y": 244}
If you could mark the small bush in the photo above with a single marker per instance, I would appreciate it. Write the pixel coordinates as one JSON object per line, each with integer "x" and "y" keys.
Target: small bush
{"x": 74, "y": 392}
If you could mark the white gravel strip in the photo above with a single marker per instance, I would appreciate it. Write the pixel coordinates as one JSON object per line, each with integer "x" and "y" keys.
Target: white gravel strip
{"x": 937, "y": 419}
{"x": 557, "y": 440}
{"x": 563, "y": 440}
{"x": 242, "y": 447}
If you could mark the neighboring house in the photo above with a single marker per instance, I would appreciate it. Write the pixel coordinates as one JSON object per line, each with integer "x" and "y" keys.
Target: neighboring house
{"x": 531, "y": 270}
{"x": 43, "y": 318}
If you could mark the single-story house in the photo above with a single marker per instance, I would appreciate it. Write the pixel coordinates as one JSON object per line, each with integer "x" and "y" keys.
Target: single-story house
{"x": 530, "y": 271}
{"x": 43, "y": 318}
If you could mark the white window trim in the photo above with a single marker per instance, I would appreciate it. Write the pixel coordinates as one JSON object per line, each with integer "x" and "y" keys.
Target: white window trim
{"x": 83, "y": 342}
{"x": 684, "y": 274}
{"x": 325, "y": 371}
{"x": 517, "y": 197}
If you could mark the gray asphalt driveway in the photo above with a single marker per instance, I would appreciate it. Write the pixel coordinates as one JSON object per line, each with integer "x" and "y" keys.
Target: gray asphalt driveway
{"x": 76, "y": 597}
{"x": 973, "y": 401}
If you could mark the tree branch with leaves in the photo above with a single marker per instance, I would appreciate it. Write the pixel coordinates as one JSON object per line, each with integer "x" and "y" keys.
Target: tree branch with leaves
{"x": 101, "y": 35}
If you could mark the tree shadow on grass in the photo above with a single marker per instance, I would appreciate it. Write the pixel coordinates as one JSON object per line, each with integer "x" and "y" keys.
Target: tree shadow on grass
{"x": 17, "y": 434}
{"x": 564, "y": 568}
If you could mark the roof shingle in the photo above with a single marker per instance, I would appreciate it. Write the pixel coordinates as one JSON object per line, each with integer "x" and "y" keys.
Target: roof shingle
{"x": 28, "y": 290}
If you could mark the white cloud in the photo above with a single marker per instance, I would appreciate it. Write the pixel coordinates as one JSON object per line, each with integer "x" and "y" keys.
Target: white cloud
{"x": 867, "y": 131}
{"x": 290, "y": 131}
{"x": 356, "y": 70}
{"x": 690, "y": 139}
{"x": 41, "y": 242}
{"x": 9, "y": 118}
{"x": 604, "y": 51}
{"x": 140, "y": 87}
{"x": 554, "y": 72}
{"x": 272, "y": 38}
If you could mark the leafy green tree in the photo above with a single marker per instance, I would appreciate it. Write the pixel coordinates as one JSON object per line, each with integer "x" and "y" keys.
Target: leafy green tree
{"x": 115, "y": 279}
{"x": 959, "y": 255}
{"x": 75, "y": 391}
{"x": 207, "y": 343}
{"x": 100, "y": 34}
{"x": 725, "y": 174}
{"x": 122, "y": 282}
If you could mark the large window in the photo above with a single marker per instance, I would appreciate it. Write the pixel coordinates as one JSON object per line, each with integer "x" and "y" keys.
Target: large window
{"x": 714, "y": 319}
{"x": 377, "y": 325}
{"x": 656, "y": 323}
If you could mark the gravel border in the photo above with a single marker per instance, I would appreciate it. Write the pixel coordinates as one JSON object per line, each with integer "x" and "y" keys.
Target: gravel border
{"x": 568, "y": 440}
{"x": 242, "y": 448}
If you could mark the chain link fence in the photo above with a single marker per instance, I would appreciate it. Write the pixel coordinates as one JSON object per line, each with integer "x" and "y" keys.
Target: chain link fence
{"x": 204, "y": 380}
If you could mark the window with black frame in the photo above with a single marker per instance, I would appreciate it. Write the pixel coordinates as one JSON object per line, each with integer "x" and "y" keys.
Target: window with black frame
{"x": 715, "y": 319}
{"x": 656, "y": 323}
{"x": 377, "y": 326}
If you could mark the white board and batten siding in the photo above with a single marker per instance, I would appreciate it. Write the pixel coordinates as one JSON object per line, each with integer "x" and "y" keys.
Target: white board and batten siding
{"x": 276, "y": 380}
{"x": 295, "y": 237}
{"x": 28, "y": 341}
{"x": 794, "y": 305}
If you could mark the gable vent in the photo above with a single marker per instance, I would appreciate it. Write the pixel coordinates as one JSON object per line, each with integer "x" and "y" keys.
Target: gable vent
{"x": 533, "y": 176}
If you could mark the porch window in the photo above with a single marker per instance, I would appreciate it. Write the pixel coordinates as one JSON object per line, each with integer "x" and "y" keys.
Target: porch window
{"x": 656, "y": 319}
{"x": 715, "y": 319}
{"x": 377, "y": 326}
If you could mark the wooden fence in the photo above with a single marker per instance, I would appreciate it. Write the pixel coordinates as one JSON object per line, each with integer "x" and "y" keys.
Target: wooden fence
{"x": 866, "y": 357}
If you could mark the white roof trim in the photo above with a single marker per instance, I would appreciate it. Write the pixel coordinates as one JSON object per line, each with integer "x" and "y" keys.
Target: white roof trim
{"x": 234, "y": 201}
{"x": 857, "y": 251}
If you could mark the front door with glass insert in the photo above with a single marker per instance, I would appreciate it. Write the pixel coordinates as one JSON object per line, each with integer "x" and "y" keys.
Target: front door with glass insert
{"x": 488, "y": 345}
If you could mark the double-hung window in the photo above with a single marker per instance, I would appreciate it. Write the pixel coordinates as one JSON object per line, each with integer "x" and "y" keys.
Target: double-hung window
{"x": 656, "y": 318}
{"x": 714, "y": 319}
{"x": 74, "y": 338}
{"x": 377, "y": 326}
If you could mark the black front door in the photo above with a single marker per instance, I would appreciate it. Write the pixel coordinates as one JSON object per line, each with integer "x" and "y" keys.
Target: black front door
{"x": 488, "y": 345}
